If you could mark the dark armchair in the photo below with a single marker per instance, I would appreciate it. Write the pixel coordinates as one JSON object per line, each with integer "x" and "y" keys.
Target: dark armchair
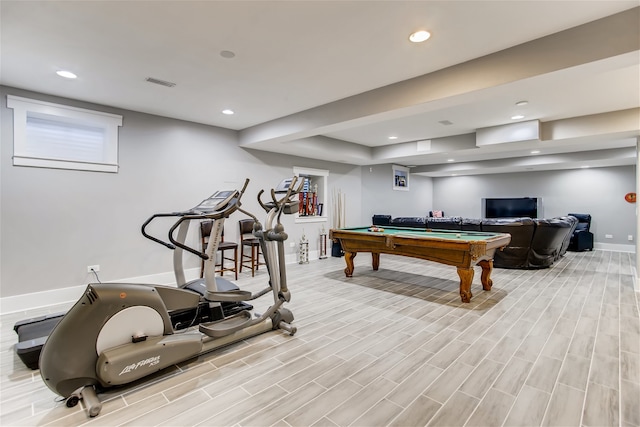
{"x": 381, "y": 220}
{"x": 582, "y": 238}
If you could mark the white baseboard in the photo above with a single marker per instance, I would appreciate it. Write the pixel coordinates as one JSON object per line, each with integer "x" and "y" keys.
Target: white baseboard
{"x": 19, "y": 303}
{"x": 617, "y": 247}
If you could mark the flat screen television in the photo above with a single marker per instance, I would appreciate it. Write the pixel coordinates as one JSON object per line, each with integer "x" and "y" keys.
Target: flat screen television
{"x": 512, "y": 207}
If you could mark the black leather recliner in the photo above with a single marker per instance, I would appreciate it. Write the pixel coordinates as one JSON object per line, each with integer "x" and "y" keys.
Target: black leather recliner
{"x": 471, "y": 224}
{"x": 447, "y": 223}
{"x": 381, "y": 220}
{"x": 410, "y": 221}
{"x": 547, "y": 241}
{"x": 582, "y": 238}
{"x": 567, "y": 239}
{"x": 516, "y": 254}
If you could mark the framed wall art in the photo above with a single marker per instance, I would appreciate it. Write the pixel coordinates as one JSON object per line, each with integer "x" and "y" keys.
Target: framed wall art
{"x": 400, "y": 178}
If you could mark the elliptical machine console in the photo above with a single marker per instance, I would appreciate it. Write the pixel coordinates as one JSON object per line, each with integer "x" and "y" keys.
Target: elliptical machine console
{"x": 215, "y": 202}
{"x": 120, "y": 332}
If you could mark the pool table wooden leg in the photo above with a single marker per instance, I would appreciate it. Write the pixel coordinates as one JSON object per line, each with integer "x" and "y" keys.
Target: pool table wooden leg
{"x": 375, "y": 260}
{"x": 348, "y": 257}
{"x": 487, "y": 267}
{"x": 466, "y": 277}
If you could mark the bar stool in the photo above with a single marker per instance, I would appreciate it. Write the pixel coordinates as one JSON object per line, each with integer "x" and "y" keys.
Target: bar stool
{"x": 247, "y": 239}
{"x": 205, "y": 232}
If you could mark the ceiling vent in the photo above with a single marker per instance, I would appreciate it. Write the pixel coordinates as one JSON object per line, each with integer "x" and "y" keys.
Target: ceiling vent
{"x": 160, "y": 82}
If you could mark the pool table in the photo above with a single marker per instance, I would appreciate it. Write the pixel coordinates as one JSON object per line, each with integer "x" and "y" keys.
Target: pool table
{"x": 462, "y": 249}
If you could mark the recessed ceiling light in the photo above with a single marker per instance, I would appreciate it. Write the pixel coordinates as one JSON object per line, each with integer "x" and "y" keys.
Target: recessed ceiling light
{"x": 535, "y": 152}
{"x": 451, "y": 160}
{"x": 228, "y": 112}
{"x": 517, "y": 117}
{"x": 454, "y": 174}
{"x": 419, "y": 36}
{"x": 66, "y": 74}
{"x": 393, "y": 137}
{"x": 584, "y": 167}
{"x": 521, "y": 103}
{"x": 227, "y": 54}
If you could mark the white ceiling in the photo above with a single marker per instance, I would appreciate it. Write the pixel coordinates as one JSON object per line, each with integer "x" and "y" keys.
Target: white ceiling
{"x": 334, "y": 79}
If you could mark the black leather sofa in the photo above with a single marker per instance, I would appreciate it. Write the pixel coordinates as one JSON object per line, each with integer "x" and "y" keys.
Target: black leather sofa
{"x": 535, "y": 243}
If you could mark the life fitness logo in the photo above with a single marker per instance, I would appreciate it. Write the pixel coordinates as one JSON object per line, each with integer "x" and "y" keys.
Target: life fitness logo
{"x": 151, "y": 361}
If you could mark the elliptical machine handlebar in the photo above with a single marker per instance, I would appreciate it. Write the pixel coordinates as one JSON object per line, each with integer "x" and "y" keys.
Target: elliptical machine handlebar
{"x": 219, "y": 205}
{"x": 231, "y": 207}
{"x": 155, "y": 239}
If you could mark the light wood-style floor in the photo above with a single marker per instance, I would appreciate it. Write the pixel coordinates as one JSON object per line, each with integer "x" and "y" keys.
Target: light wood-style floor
{"x": 396, "y": 347}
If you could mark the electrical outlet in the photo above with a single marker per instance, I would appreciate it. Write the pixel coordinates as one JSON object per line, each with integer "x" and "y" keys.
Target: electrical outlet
{"x": 292, "y": 244}
{"x": 608, "y": 236}
{"x": 630, "y": 237}
{"x": 92, "y": 268}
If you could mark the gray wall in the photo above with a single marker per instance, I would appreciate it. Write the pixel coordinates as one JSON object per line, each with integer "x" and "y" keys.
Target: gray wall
{"x": 379, "y": 197}
{"x": 54, "y": 223}
{"x": 598, "y": 191}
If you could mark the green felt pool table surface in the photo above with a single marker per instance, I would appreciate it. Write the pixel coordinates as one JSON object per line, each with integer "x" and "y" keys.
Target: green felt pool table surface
{"x": 427, "y": 233}
{"x": 462, "y": 249}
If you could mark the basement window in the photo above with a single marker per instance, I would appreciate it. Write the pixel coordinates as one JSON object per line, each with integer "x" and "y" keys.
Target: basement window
{"x": 57, "y": 136}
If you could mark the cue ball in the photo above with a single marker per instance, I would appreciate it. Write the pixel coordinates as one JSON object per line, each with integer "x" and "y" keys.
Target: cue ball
{"x": 458, "y": 235}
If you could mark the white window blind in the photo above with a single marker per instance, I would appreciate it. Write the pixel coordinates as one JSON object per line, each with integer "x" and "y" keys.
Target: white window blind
{"x": 63, "y": 137}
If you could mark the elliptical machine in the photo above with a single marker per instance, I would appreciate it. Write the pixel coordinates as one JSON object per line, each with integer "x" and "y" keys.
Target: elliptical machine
{"x": 33, "y": 332}
{"x": 120, "y": 332}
